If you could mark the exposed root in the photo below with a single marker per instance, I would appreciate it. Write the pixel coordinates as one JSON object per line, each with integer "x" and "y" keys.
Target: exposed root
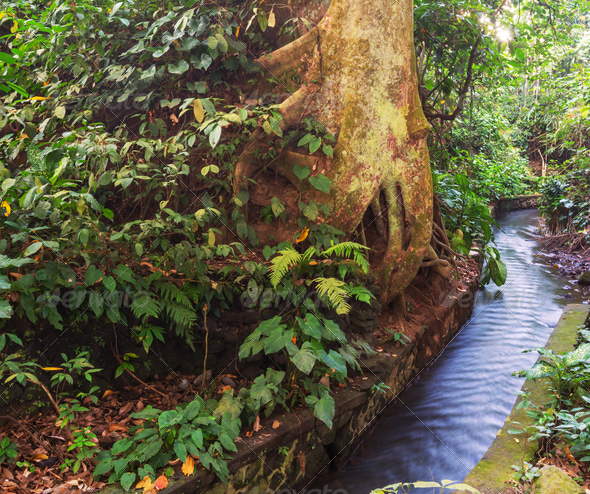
{"x": 287, "y": 58}
{"x": 377, "y": 213}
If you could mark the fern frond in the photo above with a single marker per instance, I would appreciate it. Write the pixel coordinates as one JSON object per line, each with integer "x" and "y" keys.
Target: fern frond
{"x": 360, "y": 293}
{"x": 171, "y": 293}
{"x": 308, "y": 253}
{"x": 348, "y": 250}
{"x": 282, "y": 263}
{"x": 146, "y": 305}
{"x": 180, "y": 315}
{"x": 334, "y": 290}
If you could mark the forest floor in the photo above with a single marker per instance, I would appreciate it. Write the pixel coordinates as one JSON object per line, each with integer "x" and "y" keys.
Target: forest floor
{"x": 37, "y": 468}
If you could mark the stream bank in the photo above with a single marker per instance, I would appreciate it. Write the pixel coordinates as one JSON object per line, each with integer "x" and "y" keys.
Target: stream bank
{"x": 442, "y": 425}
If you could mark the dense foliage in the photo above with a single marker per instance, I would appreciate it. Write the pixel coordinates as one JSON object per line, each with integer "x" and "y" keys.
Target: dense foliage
{"x": 120, "y": 127}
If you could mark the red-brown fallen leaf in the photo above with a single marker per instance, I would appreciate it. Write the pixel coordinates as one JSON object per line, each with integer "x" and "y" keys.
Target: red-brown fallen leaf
{"x": 161, "y": 482}
{"x": 126, "y": 408}
{"x": 188, "y": 467}
{"x": 117, "y": 427}
{"x": 256, "y": 425}
{"x": 139, "y": 406}
{"x": 276, "y": 424}
{"x": 7, "y": 474}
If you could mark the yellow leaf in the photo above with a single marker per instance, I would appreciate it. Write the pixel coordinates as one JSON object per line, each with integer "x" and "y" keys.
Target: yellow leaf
{"x": 199, "y": 110}
{"x": 238, "y": 31}
{"x": 188, "y": 467}
{"x": 81, "y": 205}
{"x": 6, "y": 206}
{"x": 14, "y": 27}
{"x": 51, "y": 368}
{"x": 38, "y": 456}
{"x": 271, "y": 19}
{"x": 38, "y": 98}
{"x": 276, "y": 424}
{"x": 108, "y": 392}
{"x": 303, "y": 235}
{"x": 145, "y": 484}
{"x": 2, "y": 14}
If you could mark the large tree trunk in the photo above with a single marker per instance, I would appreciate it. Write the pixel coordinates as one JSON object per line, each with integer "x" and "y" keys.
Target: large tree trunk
{"x": 362, "y": 55}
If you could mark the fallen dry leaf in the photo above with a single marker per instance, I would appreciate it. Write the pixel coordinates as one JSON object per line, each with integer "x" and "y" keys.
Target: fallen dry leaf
{"x": 139, "y": 406}
{"x": 38, "y": 456}
{"x": 256, "y": 425}
{"x": 108, "y": 392}
{"x": 7, "y": 474}
{"x": 276, "y": 424}
{"x": 188, "y": 467}
{"x": 126, "y": 408}
{"x": 145, "y": 484}
{"x": 117, "y": 427}
{"x": 161, "y": 482}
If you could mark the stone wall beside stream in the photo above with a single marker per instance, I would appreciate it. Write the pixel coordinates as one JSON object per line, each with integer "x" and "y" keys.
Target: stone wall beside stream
{"x": 302, "y": 447}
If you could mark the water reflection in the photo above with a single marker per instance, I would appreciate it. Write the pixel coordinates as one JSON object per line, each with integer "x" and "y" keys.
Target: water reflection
{"x": 441, "y": 426}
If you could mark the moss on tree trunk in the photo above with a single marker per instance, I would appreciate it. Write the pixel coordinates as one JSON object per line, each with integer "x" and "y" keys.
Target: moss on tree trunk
{"x": 361, "y": 56}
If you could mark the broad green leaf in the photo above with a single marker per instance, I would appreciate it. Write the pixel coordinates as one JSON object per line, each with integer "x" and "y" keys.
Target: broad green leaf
{"x": 301, "y": 172}
{"x": 324, "y": 409}
{"x": 306, "y": 139}
{"x": 215, "y": 135}
{"x": 305, "y": 358}
{"x": 580, "y": 354}
{"x": 31, "y": 249}
{"x": 5, "y": 309}
{"x": 277, "y": 206}
{"x": 311, "y": 326}
{"x": 277, "y": 340}
{"x": 127, "y": 480}
{"x": 180, "y": 450}
{"x": 315, "y": 144}
{"x": 321, "y": 183}
{"x": 4, "y": 282}
{"x": 335, "y": 361}
{"x": 181, "y": 68}
{"x": 92, "y": 275}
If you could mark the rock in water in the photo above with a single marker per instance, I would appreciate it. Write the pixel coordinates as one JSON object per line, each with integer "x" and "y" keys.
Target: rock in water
{"x": 555, "y": 481}
{"x": 584, "y": 279}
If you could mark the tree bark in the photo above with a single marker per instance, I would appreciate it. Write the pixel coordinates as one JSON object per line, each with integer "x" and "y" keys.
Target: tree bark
{"x": 361, "y": 56}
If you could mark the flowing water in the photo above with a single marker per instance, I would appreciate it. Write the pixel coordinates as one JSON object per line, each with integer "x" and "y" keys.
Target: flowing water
{"x": 442, "y": 425}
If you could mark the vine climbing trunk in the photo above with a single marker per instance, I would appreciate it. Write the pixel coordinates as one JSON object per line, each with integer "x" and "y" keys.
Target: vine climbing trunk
{"x": 359, "y": 82}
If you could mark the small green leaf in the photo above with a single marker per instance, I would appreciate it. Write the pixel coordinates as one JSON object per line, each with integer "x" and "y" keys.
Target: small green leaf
{"x": 301, "y": 172}
{"x": 127, "y": 480}
{"x": 321, "y": 183}
{"x": 315, "y": 144}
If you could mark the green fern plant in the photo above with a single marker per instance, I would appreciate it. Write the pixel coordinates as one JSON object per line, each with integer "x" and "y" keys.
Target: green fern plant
{"x": 335, "y": 292}
{"x": 146, "y": 305}
{"x": 289, "y": 257}
{"x": 180, "y": 310}
{"x": 348, "y": 249}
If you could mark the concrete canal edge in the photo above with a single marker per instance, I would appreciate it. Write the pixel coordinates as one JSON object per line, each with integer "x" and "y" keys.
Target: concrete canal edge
{"x": 492, "y": 474}
{"x": 300, "y": 448}
{"x": 507, "y": 204}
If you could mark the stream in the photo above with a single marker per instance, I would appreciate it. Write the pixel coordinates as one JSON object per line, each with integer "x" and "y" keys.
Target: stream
{"x": 441, "y": 426}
